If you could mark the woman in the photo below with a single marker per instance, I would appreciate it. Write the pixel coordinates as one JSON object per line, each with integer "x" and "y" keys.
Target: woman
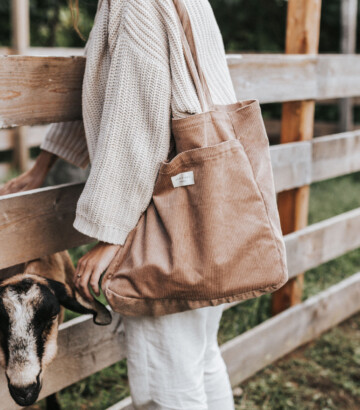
{"x": 135, "y": 79}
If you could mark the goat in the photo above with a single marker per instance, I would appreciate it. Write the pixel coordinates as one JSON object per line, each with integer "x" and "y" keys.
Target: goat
{"x": 33, "y": 296}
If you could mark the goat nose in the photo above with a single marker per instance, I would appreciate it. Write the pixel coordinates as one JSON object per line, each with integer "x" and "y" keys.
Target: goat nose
{"x": 25, "y": 395}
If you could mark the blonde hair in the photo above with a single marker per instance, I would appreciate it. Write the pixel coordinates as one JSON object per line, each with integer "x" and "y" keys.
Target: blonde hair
{"x": 75, "y": 13}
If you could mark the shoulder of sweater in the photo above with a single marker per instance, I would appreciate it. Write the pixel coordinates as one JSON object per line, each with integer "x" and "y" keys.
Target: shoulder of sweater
{"x": 151, "y": 25}
{"x": 144, "y": 26}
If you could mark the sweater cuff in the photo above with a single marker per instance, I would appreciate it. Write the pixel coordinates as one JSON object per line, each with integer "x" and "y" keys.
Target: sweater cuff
{"x": 108, "y": 234}
{"x": 79, "y": 159}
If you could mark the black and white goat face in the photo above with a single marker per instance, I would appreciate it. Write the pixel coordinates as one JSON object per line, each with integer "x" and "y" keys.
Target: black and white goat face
{"x": 29, "y": 319}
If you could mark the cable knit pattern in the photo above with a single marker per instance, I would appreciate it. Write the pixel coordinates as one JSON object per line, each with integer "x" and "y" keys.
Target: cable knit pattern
{"x": 135, "y": 79}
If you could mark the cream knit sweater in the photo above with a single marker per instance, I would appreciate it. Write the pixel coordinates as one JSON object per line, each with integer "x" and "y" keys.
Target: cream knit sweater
{"x": 135, "y": 78}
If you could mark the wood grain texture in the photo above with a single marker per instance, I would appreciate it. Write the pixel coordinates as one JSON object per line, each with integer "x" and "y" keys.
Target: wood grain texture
{"x": 48, "y": 228}
{"x": 321, "y": 128}
{"x": 323, "y": 241}
{"x": 335, "y": 155}
{"x": 272, "y": 339}
{"x": 38, "y": 222}
{"x": 36, "y": 133}
{"x": 291, "y": 164}
{"x": 35, "y": 90}
{"x": 302, "y": 37}
{"x": 303, "y": 26}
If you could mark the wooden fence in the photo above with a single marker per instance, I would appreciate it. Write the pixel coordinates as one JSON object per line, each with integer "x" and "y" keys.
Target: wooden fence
{"x": 39, "y": 222}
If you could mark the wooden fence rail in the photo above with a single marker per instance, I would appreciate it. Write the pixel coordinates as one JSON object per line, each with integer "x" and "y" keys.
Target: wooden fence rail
{"x": 48, "y": 89}
{"x": 41, "y": 220}
{"x": 56, "y": 84}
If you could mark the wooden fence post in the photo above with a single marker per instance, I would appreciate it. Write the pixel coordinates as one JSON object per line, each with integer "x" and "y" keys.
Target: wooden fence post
{"x": 348, "y": 46}
{"x": 20, "y": 26}
{"x": 302, "y": 37}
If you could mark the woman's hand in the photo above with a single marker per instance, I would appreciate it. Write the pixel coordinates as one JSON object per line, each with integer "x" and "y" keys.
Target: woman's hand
{"x": 91, "y": 266}
{"x": 33, "y": 178}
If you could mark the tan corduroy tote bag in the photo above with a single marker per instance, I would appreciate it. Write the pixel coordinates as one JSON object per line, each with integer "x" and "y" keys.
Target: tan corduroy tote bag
{"x": 211, "y": 233}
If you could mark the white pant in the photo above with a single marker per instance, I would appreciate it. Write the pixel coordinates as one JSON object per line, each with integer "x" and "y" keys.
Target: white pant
{"x": 174, "y": 361}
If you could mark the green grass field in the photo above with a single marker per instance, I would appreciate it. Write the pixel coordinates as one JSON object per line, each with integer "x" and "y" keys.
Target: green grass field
{"x": 320, "y": 375}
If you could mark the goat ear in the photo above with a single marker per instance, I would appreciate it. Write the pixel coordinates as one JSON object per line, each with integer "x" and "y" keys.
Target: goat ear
{"x": 72, "y": 300}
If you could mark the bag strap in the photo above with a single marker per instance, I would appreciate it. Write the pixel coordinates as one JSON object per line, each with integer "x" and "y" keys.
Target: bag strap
{"x": 191, "y": 56}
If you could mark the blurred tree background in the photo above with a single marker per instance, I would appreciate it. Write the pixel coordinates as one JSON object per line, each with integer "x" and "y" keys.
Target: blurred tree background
{"x": 246, "y": 25}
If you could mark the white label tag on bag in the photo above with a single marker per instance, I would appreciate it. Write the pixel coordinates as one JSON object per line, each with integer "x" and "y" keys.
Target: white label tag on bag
{"x": 185, "y": 178}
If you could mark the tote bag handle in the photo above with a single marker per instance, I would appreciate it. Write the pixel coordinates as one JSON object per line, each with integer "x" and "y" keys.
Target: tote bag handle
{"x": 191, "y": 56}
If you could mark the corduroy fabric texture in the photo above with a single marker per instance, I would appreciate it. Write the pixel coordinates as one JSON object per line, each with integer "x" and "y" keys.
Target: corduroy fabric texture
{"x": 215, "y": 241}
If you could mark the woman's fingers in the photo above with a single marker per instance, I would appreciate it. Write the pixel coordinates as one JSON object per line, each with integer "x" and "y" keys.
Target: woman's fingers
{"x": 83, "y": 274}
{"x": 91, "y": 266}
{"x": 94, "y": 281}
{"x": 23, "y": 182}
{"x": 10, "y": 187}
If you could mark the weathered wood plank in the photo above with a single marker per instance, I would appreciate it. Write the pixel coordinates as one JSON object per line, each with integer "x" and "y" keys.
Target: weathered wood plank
{"x": 300, "y": 163}
{"x": 280, "y": 78}
{"x": 35, "y": 90}
{"x": 36, "y": 133}
{"x": 291, "y": 164}
{"x": 290, "y": 329}
{"x": 323, "y": 241}
{"x": 84, "y": 349}
{"x": 38, "y": 222}
{"x": 257, "y": 348}
{"x": 321, "y": 128}
{"x": 56, "y": 82}
{"x": 41, "y": 220}
{"x": 28, "y": 230}
{"x": 335, "y": 155}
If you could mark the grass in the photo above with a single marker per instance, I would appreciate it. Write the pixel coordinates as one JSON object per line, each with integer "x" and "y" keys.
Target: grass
{"x": 323, "y": 374}
{"x": 320, "y": 375}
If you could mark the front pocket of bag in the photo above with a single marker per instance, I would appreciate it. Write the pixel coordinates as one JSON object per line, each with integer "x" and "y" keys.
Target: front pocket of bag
{"x": 219, "y": 220}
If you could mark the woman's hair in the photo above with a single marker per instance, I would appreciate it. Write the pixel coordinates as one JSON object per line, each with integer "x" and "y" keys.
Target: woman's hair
{"x": 75, "y": 12}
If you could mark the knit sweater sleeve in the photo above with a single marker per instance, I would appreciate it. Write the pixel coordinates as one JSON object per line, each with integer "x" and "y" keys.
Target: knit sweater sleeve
{"x": 134, "y": 138}
{"x": 67, "y": 141}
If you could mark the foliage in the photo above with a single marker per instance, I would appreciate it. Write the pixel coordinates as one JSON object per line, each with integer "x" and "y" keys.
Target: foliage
{"x": 246, "y": 25}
